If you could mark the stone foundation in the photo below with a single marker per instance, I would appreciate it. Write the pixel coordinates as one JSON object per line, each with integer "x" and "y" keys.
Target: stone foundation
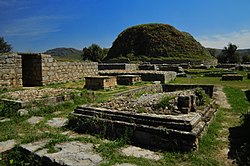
{"x": 100, "y": 82}
{"x": 163, "y": 76}
{"x": 151, "y": 130}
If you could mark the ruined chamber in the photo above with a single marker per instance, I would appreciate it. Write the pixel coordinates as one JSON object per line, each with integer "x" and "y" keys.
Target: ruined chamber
{"x": 151, "y": 117}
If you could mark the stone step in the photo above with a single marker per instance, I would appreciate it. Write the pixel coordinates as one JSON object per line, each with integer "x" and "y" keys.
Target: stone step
{"x": 185, "y": 122}
{"x": 140, "y": 129}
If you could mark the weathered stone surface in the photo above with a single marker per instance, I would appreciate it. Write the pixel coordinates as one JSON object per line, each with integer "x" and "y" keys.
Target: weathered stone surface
{"x": 139, "y": 152}
{"x": 11, "y": 70}
{"x": 7, "y": 145}
{"x": 57, "y": 122}
{"x": 100, "y": 82}
{"x": 35, "y": 119}
{"x": 68, "y": 153}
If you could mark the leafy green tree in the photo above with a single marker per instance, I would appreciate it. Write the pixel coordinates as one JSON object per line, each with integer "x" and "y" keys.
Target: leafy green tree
{"x": 4, "y": 46}
{"x": 94, "y": 53}
{"x": 246, "y": 58}
{"x": 230, "y": 54}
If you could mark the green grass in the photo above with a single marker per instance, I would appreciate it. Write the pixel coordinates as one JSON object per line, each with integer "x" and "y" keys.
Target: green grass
{"x": 245, "y": 84}
{"x": 209, "y": 147}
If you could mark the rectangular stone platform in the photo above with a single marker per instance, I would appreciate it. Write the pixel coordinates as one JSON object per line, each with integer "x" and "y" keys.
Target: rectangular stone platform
{"x": 100, "y": 82}
{"x": 146, "y": 130}
{"x": 128, "y": 79}
{"x": 163, "y": 76}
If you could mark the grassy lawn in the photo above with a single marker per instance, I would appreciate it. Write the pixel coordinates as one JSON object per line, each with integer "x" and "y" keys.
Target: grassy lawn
{"x": 210, "y": 147}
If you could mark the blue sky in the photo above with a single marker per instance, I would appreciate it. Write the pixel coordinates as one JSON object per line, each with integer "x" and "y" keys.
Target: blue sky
{"x": 39, "y": 25}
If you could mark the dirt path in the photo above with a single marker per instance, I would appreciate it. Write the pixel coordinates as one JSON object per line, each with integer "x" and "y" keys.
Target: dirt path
{"x": 223, "y": 134}
{"x": 220, "y": 97}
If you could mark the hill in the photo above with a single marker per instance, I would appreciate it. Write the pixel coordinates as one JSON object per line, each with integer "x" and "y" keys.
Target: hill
{"x": 65, "y": 53}
{"x": 215, "y": 51}
{"x": 156, "y": 42}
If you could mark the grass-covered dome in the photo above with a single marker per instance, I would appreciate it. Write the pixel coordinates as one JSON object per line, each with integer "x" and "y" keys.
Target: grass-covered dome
{"x": 156, "y": 42}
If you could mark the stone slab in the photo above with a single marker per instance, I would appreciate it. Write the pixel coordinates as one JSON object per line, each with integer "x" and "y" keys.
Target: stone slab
{"x": 140, "y": 153}
{"x": 68, "y": 153}
{"x": 57, "y": 122}
{"x": 35, "y": 119}
{"x": 7, "y": 145}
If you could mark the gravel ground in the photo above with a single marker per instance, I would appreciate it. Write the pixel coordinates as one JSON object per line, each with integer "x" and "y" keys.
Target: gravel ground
{"x": 145, "y": 103}
{"x": 31, "y": 94}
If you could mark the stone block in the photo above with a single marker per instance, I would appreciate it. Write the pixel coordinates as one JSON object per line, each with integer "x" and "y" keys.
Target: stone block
{"x": 100, "y": 82}
{"x": 184, "y": 104}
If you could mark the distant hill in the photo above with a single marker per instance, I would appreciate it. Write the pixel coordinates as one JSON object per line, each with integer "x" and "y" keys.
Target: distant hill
{"x": 215, "y": 52}
{"x": 65, "y": 53}
{"x": 156, "y": 42}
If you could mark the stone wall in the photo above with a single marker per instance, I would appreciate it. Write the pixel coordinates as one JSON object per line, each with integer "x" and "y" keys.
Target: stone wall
{"x": 30, "y": 69}
{"x": 53, "y": 71}
{"x": 146, "y": 75}
{"x": 11, "y": 70}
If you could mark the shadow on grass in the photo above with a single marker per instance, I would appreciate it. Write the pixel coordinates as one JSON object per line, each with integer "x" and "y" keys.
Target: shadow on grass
{"x": 240, "y": 142}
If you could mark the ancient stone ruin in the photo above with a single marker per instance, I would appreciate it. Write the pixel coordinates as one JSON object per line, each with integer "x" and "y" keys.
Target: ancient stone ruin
{"x": 28, "y": 69}
{"x": 146, "y": 120}
{"x": 100, "y": 82}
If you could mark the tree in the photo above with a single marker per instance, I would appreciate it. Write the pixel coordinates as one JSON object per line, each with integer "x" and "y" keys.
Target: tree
{"x": 4, "y": 46}
{"x": 246, "y": 58}
{"x": 230, "y": 54}
{"x": 94, "y": 53}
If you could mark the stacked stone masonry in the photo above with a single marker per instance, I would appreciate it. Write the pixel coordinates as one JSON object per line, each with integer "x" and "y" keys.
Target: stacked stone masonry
{"x": 66, "y": 71}
{"x": 27, "y": 69}
{"x": 100, "y": 82}
{"x": 11, "y": 70}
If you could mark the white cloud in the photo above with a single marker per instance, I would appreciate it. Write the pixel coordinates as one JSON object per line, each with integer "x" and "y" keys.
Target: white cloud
{"x": 240, "y": 38}
{"x": 31, "y": 27}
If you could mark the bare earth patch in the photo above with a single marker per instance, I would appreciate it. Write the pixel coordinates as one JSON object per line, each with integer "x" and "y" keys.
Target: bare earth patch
{"x": 220, "y": 97}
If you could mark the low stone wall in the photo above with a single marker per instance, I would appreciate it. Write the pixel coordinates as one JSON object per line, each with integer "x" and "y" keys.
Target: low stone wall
{"x": 174, "y": 87}
{"x": 53, "y": 71}
{"x": 163, "y": 76}
{"x": 117, "y": 66}
{"x": 148, "y": 67}
{"x": 10, "y": 70}
{"x": 232, "y": 77}
{"x": 146, "y": 89}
